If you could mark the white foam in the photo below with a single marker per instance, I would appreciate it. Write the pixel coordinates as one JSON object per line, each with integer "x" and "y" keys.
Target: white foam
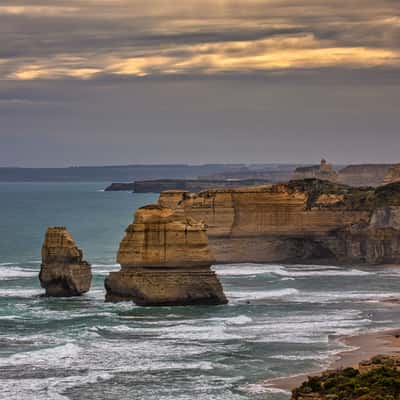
{"x": 244, "y": 269}
{"x": 48, "y": 388}
{"x": 262, "y": 388}
{"x": 9, "y": 273}
{"x": 104, "y": 269}
{"x": 60, "y": 356}
{"x": 204, "y": 332}
{"x": 20, "y": 292}
{"x": 286, "y": 271}
{"x": 239, "y": 320}
{"x": 318, "y": 271}
{"x": 105, "y": 265}
{"x": 261, "y": 295}
{"x": 338, "y": 297}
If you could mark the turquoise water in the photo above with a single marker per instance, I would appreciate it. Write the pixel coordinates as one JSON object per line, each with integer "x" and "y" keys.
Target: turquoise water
{"x": 278, "y": 322}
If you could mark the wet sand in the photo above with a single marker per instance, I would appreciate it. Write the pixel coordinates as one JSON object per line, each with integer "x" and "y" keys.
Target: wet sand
{"x": 363, "y": 347}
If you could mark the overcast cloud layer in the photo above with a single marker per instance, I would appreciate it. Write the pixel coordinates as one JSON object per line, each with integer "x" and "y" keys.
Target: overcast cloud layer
{"x": 142, "y": 81}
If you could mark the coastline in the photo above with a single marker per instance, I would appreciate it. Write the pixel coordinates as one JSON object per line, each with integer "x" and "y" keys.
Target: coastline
{"x": 362, "y": 347}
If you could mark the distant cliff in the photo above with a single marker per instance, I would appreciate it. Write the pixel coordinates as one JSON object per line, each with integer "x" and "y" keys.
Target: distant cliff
{"x": 111, "y": 173}
{"x": 352, "y": 175}
{"x": 364, "y": 174}
{"x": 301, "y": 221}
{"x": 193, "y": 185}
{"x": 393, "y": 174}
{"x": 323, "y": 171}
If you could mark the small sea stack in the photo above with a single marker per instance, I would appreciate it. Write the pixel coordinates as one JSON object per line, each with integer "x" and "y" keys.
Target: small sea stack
{"x": 165, "y": 260}
{"x": 63, "y": 272}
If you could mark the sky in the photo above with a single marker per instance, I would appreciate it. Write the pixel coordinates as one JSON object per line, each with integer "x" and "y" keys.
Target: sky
{"x": 100, "y": 82}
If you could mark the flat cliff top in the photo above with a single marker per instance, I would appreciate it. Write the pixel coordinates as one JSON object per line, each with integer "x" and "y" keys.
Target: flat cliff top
{"x": 357, "y": 168}
{"x": 321, "y": 193}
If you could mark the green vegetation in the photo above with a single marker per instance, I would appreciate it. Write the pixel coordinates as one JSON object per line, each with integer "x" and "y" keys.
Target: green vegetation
{"x": 359, "y": 199}
{"x": 388, "y": 195}
{"x": 382, "y": 383}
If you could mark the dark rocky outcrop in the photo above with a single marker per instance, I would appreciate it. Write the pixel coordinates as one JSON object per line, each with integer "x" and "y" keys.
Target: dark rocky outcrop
{"x": 301, "y": 221}
{"x": 121, "y": 187}
{"x": 165, "y": 260}
{"x": 63, "y": 272}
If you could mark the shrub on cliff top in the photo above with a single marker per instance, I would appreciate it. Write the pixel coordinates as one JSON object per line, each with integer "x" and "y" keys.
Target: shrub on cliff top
{"x": 349, "y": 384}
{"x": 388, "y": 195}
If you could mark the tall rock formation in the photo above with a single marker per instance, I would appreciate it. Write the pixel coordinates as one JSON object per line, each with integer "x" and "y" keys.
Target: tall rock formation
{"x": 301, "y": 221}
{"x": 165, "y": 260}
{"x": 63, "y": 272}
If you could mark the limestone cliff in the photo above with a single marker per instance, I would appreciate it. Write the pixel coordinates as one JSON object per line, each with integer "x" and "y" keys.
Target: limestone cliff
{"x": 165, "y": 260}
{"x": 63, "y": 272}
{"x": 301, "y": 221}
{"x": 393, "y": 175}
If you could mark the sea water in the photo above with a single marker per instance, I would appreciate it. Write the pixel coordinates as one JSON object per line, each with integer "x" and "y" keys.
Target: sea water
{"x": 280, "y": 320}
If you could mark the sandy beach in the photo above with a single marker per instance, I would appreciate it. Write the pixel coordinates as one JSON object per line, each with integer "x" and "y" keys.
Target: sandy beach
{"x": 362, "y": 347}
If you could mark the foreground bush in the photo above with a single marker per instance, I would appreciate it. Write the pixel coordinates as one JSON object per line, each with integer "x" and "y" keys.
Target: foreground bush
{"x": 382, "y": 383}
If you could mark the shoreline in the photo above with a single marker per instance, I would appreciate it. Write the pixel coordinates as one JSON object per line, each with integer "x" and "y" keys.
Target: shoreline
{"x": 361, "y": 347}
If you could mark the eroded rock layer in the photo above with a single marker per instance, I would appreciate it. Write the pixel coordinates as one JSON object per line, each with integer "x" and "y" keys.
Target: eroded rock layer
{"x": 63, "y": 271}
{"x": 393, "y": 175}
{"x": 165, "y": 260}
{"x": 301, "y": 221}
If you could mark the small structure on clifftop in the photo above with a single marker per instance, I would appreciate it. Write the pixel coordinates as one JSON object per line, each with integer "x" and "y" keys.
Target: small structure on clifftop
{"x": 323, "y": 171}
{"x": 165, "y": 260}
{"x": 63, "y": 272}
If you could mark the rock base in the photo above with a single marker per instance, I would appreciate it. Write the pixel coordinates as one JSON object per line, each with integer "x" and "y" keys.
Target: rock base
{"x": 165, "y": 287}
{"x": 65, "y": 281}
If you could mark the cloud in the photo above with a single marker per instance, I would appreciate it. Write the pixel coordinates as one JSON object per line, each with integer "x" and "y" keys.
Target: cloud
{"x": 84, "y": 39}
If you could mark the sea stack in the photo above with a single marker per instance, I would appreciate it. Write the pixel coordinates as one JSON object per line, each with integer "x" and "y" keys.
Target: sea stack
{"x": 165, "y": 260}
{"x": 63, "y": 272}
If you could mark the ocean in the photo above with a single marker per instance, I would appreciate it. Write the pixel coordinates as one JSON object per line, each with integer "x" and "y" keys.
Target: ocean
{"x": 280, "y": 320}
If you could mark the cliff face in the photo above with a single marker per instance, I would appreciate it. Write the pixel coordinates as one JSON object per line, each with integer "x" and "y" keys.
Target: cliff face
{"x": 364, "y": 174}
{"x": 165, "y": 260}
{"x": 63, "y": 272}
{"x": 308, "y": 220}
{"x": 393, "y": 175}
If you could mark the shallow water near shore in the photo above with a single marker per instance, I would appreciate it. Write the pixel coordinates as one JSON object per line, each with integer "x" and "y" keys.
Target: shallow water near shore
{"x": 278, "y": 321}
